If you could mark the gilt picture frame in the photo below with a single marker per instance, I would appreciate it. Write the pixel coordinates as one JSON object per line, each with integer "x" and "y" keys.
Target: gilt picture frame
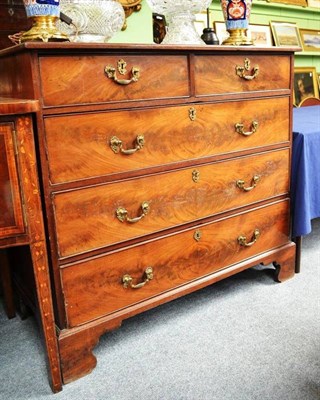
{"x": 260, "y": 35}
{"x": 302, "y": 3}
{"x": 285, "y": 34}
{"x": 305, "y": 84}
{"x": 310, "y": 39}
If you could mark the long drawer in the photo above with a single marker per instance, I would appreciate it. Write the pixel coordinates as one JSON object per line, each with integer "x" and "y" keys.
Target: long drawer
{"x": 219, "y": 74}
{"x": 84, "y": 146}
{"x": 83, "y": 79}
{"x": 95, "y": 288}
{"x": 99, "y": 216}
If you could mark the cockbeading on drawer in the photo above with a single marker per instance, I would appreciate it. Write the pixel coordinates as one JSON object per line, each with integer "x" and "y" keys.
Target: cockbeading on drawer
{"x": 215, "y": 75}
{"x": 89, "y": 79}
{"x": 100, "y": 144}
{"x": 100, "y": 286}
{"x": 98, "y": 216}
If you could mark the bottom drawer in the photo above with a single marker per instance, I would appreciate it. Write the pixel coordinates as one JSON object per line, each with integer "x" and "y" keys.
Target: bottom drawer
{"x": 94, "y": 288}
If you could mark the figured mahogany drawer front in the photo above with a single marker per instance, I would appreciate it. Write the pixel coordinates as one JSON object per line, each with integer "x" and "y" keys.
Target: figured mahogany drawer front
{"x": 99, "y": 216}
{"x": 95, "y": 287}
{"x": 84, "y": 79}
{"x": 220, "y": 74}
{"x": 84, "y": 146}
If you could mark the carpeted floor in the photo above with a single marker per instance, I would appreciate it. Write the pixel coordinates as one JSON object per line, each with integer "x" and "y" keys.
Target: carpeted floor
{"x": 244, "y": 338}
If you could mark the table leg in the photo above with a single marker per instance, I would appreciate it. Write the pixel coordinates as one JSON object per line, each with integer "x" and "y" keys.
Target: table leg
{"x": 5, "y": 278}
{"x": 298, "y": 241}
{"x": 36, "y": 233}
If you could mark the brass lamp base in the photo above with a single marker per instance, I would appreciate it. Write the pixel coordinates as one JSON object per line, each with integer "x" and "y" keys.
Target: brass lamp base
{"x": 44, "y": 29}
{"x": 237, "y": 38}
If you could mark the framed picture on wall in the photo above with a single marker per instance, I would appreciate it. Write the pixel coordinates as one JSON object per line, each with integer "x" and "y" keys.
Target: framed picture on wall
{"x": 285, "y": 34}
{"x": 306, "y": 84}
{"x": 201, "y": 21}
{"x": 314, "y": 3}
{"x": 310, "y": 39}
{"x": 302, "y": 3}
{"x": 221, "y": 31}
{"x": 260, "y": 35}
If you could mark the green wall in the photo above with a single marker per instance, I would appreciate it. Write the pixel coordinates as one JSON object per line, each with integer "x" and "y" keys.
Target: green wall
{"x": 139, "y": 28}
{"x": 304, "y": 17}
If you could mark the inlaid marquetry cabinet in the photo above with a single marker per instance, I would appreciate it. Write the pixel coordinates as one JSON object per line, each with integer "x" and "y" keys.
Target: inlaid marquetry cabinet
{"x": 164, "y": 169}
{"x": 21, "y": 226}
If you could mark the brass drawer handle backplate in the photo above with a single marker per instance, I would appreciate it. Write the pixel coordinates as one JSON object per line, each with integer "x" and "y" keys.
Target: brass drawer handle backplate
{"x": 240, "y": 128}
{"x": 122, "y": 213}
{"x": 242, "y": 240}
{"x": 240, "y": 183}
{"x": 116, "y": 145}
{"x": 112, "y": 74}
{"x": 197, "y": 235}
{"x": 241, "y": 71}
{"x": 127, "y": 279}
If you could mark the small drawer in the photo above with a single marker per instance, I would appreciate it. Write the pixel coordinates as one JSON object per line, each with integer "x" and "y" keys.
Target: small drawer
{"x": 94, "y": 288}
{"x": 83, "y": 79}
{"x": 99, "y": 216}
{"x": 220, "y": 74}
{"x": 85, "y": 146}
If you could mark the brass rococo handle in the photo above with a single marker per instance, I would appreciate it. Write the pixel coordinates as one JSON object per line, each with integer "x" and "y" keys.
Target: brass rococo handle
{"x": 242, "y": 240}
{"x": 127, "y": 279}
{"x": 240, "y": 183}
{"x": 240, "y": 128}
{"x": 116, "y": 145}
{"x": 122, "y": 213}
{"x": 111, "y": 73}
{"x": 241, "y": 71}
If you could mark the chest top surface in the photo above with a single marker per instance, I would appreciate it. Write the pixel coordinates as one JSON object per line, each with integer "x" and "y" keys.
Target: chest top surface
{"x": 68, "y": 74}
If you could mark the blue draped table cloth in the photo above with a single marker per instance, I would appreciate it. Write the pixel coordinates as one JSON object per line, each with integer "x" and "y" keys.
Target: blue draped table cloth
{"x": 305, "y": 170}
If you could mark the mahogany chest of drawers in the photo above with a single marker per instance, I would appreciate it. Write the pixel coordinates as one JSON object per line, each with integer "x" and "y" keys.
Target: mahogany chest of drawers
{"x": 164, "y": 169}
